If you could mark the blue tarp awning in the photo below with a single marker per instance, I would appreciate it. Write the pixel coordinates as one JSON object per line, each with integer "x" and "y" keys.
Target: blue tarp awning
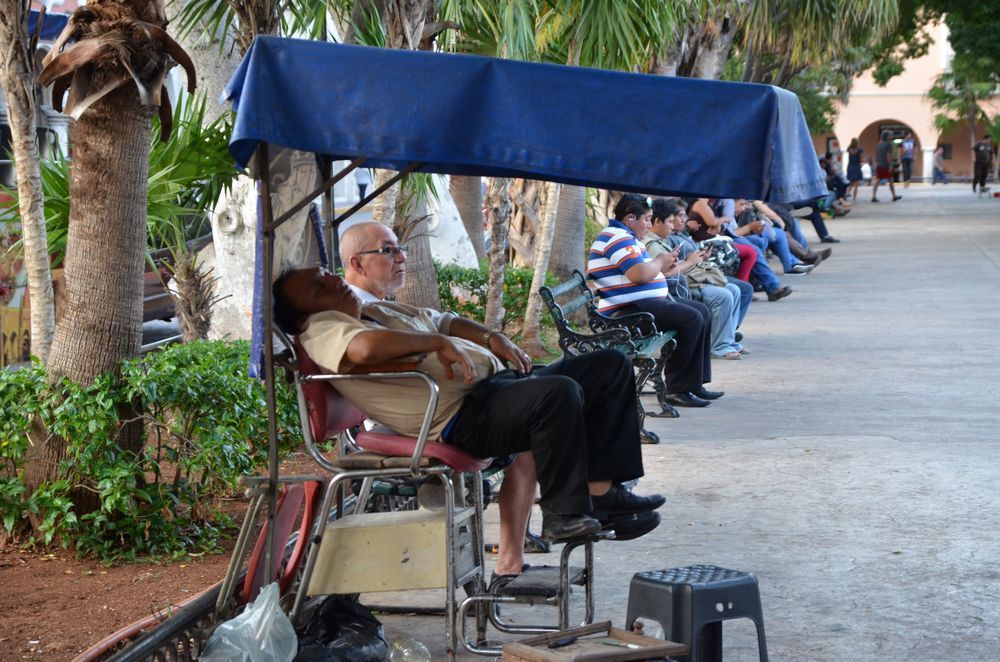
{"x": 51, "y": 27}
{"x": 470, "y": 115}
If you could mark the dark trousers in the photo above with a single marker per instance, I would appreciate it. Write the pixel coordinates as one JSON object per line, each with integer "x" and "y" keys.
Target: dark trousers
{"x": 577, "y": 416}
{"x": 980, "y": 173}
{"x": 690, "y": 365}
{"x": 907, "y": 169}
{"x": 814, "y": 215}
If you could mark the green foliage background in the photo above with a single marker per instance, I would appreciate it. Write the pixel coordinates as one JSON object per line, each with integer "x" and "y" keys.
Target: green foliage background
{"x": 206, "y": 423}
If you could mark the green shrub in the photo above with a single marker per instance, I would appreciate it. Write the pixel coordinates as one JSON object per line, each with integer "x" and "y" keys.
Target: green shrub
{"x": 206, "y": 424}
{"x": 463, "y": 290}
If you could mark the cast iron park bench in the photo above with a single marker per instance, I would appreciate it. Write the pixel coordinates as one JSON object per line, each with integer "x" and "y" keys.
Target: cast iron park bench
{"x": 634, "y": 334}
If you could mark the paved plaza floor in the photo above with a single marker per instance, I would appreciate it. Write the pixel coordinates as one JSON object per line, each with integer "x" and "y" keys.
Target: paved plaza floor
{"x": 853, "y": 464}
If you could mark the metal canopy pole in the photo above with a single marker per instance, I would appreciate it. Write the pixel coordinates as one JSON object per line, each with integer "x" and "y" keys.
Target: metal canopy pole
{"x": 268, "y": 227}
{"x": 329, "y": 236}
{"x": 264, "y": 172}
{"x": 374, "y": 194}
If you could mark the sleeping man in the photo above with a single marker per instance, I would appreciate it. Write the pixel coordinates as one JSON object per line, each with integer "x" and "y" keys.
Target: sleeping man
{"x": 576, "y": 416}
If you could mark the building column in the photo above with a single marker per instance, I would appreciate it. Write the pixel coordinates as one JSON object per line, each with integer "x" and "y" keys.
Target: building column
{"x": 928, "y": 163}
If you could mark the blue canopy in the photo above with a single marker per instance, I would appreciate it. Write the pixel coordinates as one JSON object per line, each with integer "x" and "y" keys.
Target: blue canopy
{"x": 51, "y": 27}
{"x": 470, "y": 115}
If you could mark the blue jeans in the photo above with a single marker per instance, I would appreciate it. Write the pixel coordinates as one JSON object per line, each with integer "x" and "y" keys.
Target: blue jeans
{"x": 761, "y": 272}
{"x": 939, "y": 176}
{"x": 746, "y": 296}
{"x": 723, "y": 306}
{"x": 778, "y": 243}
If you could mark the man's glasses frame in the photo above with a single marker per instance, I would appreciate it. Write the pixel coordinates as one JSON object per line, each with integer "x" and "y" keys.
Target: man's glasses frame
{"x": 392, "y": 251}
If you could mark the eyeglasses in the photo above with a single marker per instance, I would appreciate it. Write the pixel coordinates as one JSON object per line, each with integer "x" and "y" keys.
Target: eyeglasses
{"x": 391, "y": 251}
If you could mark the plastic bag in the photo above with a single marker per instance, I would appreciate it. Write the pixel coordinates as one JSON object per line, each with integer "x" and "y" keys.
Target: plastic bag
{"x": 342, "y": 630}
{"x": 262, "y": 633}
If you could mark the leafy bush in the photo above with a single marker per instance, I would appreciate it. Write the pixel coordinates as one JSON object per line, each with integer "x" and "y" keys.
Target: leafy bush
{"x": 206, "y": 423}
{"x": 463, "y": 290}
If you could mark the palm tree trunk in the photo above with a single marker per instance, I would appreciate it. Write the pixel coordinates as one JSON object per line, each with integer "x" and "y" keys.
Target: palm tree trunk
{"x": 100, "y": 317}
{"x": 714, "y": 52}
{"x": 570, "y": 233}
{"x": 531, "y": 331}
{"x": 498, "y": 199}
{"x": 17, "y": 81}
{"x": 467, "y": 193}
{"x": 417, "y": 291}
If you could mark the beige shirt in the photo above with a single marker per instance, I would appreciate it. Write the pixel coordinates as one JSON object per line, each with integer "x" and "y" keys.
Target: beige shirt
{"x": 400, "y": 404}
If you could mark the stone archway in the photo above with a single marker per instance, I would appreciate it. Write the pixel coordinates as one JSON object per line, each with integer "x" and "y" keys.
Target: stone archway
{"x": 922, "y": 151}
{"x": 868, "y": 137}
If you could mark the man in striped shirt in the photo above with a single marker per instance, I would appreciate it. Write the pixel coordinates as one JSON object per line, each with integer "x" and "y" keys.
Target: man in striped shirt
{"x": 629, "y": 281}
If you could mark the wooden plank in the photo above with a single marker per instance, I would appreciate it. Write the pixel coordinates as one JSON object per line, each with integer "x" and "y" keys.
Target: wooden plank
{"x": 596, "y": 642}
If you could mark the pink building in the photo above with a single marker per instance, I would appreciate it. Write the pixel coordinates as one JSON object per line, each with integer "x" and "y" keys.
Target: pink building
{"x": 902, "y": 106}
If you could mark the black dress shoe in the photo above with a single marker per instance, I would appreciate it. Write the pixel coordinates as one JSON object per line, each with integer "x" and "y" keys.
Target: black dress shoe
{"x": 685, "y": 399}
{"x": 779, "y": 293}
{"x": 533, "y": 544}
{"x": 705, "y": 394}
{"x": 557, "y": 528}
{"x": 630, "y": 527}
{"x": 830, "y": 239}
{"x": 619, "y": 500}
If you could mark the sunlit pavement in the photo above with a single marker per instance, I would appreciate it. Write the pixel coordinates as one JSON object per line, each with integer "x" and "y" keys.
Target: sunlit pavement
{"x": 852, "y": 464}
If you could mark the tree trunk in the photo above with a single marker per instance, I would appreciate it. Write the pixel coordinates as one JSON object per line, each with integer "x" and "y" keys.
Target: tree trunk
{"x": 714, "y": 51}
{"x": 498, "y": 198}
{"x": 17, "y": 79}
{"x": 531, "y": 331}
{"x": 467, "y": 193}
{"x": 383, "y": 207}
{"x": 570, "y": 233}
{"x": 100, "y": 316}
{"x": 413, "y": 232}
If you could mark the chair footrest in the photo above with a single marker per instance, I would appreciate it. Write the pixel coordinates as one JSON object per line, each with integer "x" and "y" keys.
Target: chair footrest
{"x": 541, "y": 581}
{"x": 370, "y": 460}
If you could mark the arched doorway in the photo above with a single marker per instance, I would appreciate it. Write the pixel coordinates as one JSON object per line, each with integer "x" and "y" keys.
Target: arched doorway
{"x": 871, "y": 135}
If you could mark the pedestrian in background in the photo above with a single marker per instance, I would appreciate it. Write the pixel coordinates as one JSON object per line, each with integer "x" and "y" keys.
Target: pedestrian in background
{"x": 362, "y": 177}
{"x": 939, "y": 174}
{"x": 906, "y": 155}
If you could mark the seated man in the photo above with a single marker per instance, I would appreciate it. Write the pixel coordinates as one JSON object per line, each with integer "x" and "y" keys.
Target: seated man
{"x": 768, "y": 233}
{"x": 691, "y": 277}
{"x": 762, "y": 276}
{"x": 629, "y": 281}
{"x": 797, "y": 243}
{"x": 576, "y": 416}
{"x": 375, "y": 268}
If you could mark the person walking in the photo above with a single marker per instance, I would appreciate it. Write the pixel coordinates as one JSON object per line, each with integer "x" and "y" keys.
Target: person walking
{"x": 854, "y": 174}
{"x": 883, "y": 168}
{"x": 983, "y": 153}
{"x": 363, "y": 178}
{"x": 907, "y": 157}
{"x": 939, "y": 174}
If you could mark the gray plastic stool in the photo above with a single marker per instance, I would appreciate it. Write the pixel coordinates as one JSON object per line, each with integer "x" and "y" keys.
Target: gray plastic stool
{"x": 691, "y": 603}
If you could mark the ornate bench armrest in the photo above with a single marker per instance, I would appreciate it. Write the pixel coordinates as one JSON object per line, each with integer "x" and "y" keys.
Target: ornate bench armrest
{"x": 638, "y": 325}
{"x": 575, "y": 343}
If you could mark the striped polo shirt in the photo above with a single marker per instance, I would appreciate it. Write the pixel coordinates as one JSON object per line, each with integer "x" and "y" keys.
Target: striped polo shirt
{"x": 615, "y": 251}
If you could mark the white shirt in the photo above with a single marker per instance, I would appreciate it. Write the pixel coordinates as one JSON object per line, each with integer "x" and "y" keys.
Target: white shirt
{"x": 364, "y": 295}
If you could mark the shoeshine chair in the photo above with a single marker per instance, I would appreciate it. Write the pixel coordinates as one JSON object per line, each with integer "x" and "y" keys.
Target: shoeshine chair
{"x": 393, "y": 551}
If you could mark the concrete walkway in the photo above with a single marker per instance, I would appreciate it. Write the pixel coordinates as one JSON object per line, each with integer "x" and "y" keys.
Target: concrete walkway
{"x": 852, "y": 464}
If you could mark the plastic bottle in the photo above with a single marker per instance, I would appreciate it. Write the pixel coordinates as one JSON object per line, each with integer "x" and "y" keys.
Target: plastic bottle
{"x": 408, "y": 650}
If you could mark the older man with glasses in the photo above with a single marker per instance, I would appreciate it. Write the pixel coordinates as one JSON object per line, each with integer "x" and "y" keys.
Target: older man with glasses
{"x": 374, "y": 269}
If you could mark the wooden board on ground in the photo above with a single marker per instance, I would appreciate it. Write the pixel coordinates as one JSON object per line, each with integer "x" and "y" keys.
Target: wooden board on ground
{"x": 599, "y": 641}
